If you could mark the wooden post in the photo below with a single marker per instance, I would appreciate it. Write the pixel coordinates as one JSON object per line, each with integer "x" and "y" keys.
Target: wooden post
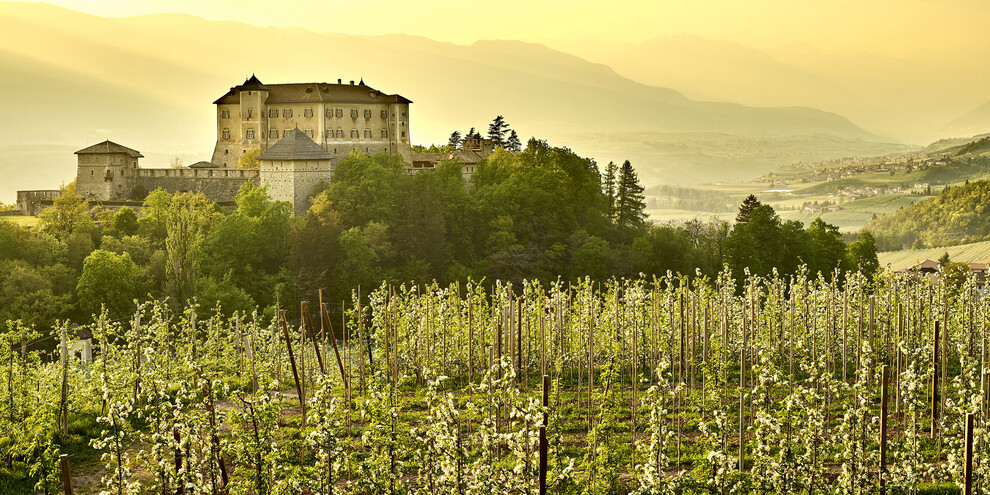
{"x": 543, "y": 435}
{"x": 968, "y": 478}
{"x": 333, "y": 340}
{"x": 935, "y": 398}
{"x": 292, "y": 360}
{"x": 742, "y": 385}
{"x": 65, "y": 386}
{"x": 312, "y": 336}
{"x": 137, "y": 356}
{"x": 63, "y": 460}
{"x": 249, "y": 351}
{"x": 883, "y": 431}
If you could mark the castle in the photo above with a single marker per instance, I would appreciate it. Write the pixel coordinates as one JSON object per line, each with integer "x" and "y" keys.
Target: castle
{"x": 301, "y": 130}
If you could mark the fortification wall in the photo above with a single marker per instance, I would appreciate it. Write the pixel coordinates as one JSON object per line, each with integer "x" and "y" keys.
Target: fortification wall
{"x": 216, "y": 184}
{"x": 29, "y": 202}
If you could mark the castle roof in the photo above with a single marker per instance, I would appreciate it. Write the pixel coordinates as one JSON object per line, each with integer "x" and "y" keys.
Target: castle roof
{"x": 253, "y": 83}
{"x": 107, "y": 147}
{"x": 296, "y": 145}
{"x": 311, "y": 92}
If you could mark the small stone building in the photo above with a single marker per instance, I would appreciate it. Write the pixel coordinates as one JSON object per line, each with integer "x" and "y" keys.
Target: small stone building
{"x": 106, "y": 170}
{"x": 293, "y": 166}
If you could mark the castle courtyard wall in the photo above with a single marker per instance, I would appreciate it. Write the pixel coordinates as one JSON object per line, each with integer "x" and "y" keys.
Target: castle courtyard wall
{"x": 216, "y": 184}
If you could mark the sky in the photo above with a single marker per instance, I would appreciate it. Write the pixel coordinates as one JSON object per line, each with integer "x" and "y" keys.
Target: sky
{"x": 889, "y": 27}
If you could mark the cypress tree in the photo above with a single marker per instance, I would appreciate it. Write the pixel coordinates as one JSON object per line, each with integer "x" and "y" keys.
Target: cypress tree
{"x": 455, "y": 140}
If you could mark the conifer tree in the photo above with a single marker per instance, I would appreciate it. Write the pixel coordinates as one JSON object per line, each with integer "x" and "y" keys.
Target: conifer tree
{"x": 513, "y": 144}
{"x": 630, "y": 202}
{"x": 455, "y": 140}
{"x": 497, "y": 130}
{"x": 746, "y": 208}
{"x": 608, "y": 187}
{"x": 470, "y": 134}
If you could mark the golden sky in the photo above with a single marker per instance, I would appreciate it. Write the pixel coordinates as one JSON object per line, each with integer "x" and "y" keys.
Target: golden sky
{"x": 890, "y": 27}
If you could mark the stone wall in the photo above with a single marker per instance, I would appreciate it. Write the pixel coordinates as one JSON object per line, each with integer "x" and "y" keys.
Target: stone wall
{"x": 216, "y": 184}
{"x": 29, "y": 202}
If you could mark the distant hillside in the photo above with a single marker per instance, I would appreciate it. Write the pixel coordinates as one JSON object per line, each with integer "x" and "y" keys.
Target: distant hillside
{"x": 956, "y": 216}
{"x": 909, "y": 257}
{"x": 151, "y": 88}
{"x": 975, "y": 121}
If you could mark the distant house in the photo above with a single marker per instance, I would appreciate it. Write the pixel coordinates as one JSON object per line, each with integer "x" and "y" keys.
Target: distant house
{"x": 931, "y": 269}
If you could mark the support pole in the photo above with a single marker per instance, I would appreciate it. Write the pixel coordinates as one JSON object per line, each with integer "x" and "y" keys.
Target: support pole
{"x": 292, "y": 360}
{"x": 63, "y": 460}
{"x": 543, "y": 435}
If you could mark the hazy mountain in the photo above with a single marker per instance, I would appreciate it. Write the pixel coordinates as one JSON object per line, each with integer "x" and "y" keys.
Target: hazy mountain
{"x": 148, "y": 82}
{"x": 908, "y": 96}
{"x": 721, "y": 70}
{"x": 975, "y": 121}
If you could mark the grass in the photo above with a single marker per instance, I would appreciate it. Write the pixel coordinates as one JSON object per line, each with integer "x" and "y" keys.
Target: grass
{"x": 22, "y": 220}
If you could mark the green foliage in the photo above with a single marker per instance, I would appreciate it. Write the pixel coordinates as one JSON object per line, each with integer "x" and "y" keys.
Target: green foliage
{"x": 107, "y": 280}
{"x": 68, "y": 214}
{"x": 125, "y": 222}
{"x": 956, "y": 216}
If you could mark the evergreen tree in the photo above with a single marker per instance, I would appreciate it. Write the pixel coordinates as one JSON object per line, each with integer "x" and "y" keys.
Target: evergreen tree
{"x": 455, "y": 140}
{"x": 608, "y": 186}
{"x": 746, "y": 208}
{"x": 470, "y": 134}
{"x": 630, "y": 203}
{"x": 497, "y": 130}
{"x": 513, "y": 144}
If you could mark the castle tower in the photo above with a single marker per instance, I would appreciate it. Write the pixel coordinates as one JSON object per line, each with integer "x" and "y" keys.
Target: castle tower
{"x": 292, "y": 166}
{"x": 106, "y": 171}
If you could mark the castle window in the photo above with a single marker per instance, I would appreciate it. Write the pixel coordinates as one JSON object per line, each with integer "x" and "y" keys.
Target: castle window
{"x": 403, "y": 133}
{"x": 308, "y": 112}
{"x": 340, "y": 134}
{"x": 249, "y": 134}
{"x": 309, "y": 133}
{"x": 226, "y": 134}
{"x": 367, "y": 133}
{"x": 403, "y": 114}
{"x": 329, "y": 113}
{"x": 340, "y": 113}
{"x": 354, "y": 132}
{"x": 329, "y": 134}
{"x": 384, "y": 133}
{"x": 224, "y": 114}
{"x": 90, "y": 172}
{"x": 273, "y": 133}
{"x": 273, "y": 113}
{"x": 354, "y": 113}
{"x": 367, "y": 114}
{"x": 287, "y": 112}
{"x": 384, "y": 114}
{"x": 250, "y": 113}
